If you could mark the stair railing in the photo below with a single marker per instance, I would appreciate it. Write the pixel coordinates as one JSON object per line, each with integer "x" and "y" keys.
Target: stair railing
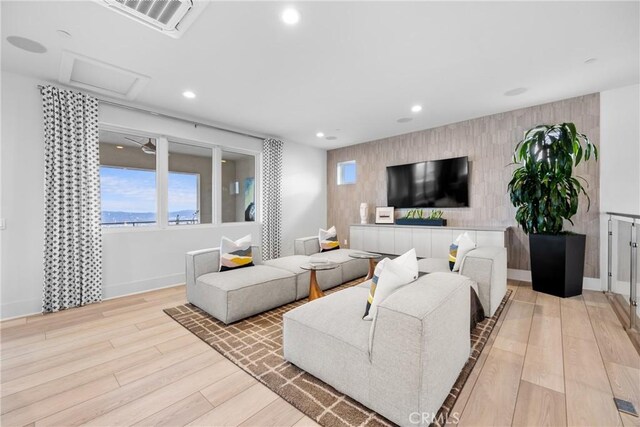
{"x": 633, "y": 262}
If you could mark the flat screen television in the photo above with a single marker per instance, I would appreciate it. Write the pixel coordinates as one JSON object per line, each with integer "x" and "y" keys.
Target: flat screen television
{"x": 432, "y": 184}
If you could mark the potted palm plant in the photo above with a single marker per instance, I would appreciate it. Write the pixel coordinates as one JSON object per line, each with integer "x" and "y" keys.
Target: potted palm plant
{"x": 545, "y": 193}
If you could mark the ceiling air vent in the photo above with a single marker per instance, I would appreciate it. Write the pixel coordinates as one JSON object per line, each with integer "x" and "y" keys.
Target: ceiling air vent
{"x": 171, "y": 17}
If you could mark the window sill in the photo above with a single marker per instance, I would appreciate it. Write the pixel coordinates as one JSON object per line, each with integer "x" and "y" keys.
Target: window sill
{"x": 118, "y": 230}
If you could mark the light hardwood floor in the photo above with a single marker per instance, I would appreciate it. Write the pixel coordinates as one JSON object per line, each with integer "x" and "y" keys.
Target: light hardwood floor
{"x": 549, "y": 362}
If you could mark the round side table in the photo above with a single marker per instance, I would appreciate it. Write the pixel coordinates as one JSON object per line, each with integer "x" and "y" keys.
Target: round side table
{"x": 371, "y": 257}
{"x": 314, "y": 290}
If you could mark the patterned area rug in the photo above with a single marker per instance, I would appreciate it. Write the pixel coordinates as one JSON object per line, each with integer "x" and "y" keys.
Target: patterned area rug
{"x": 255, "y": 345}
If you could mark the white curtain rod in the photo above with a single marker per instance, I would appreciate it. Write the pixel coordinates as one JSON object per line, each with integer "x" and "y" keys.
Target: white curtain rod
{"x": 167, "y": 116}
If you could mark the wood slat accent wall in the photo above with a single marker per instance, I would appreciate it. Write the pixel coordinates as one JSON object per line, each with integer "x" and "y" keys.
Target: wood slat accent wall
{"x": 488, "y": 141}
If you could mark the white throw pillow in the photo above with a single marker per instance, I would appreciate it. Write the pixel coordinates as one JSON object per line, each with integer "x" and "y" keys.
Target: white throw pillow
{"x": 395, "y": 274}
{"x": 459, "y": 249}
{"x": 328, "y": 239}
{"x": 374, "y": 282}
{"x": 236, "y": 254}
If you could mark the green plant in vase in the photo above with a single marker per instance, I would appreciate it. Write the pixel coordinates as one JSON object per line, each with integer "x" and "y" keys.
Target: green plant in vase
{"x": 545, "y": 192}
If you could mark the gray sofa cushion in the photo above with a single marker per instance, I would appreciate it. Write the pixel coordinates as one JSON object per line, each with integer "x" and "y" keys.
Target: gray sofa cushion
{"x": 233, "y": 295}
{"x": 326, "y": 279}
{"x": 439, "y": 265}
{"x": 434, "y": 265}
{"x": 307, "y": 245}
{"x": 352, "y": 268}
{"x": 487, "y": 265}
{"x": 328, "y": 338}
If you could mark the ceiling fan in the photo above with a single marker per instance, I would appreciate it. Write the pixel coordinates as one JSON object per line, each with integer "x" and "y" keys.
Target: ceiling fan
{"x": 148, "y": 148}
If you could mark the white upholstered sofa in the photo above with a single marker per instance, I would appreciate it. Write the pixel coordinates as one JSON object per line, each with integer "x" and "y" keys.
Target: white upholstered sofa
{"x": 404, "y": 363}
{"x": 352, "y": 268}
{"x": 233, "y": 295}
{"x": 486, "y": 265}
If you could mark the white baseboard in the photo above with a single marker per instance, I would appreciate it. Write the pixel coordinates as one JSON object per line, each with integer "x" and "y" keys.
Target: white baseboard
{"x": 521, "y": 275}
{"x": 140, "y": 286}
{"x": 14, "y": 310}
{"x": 589, "y": 283}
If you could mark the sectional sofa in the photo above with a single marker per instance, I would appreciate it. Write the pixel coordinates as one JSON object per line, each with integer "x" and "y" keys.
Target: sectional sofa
{"x": 404, "y": 363}
{"x": 233, "y": 295}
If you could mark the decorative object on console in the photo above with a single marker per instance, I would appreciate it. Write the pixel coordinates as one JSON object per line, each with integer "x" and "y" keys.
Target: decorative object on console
{"x": 364, "y": 213}
{"x": 416, "y": 217}
{"x": 236, "y": 254}
{"x": 393, "y": 275}
{"x": 459, "y": 249}
{"x": 328, "y": 239}
{"x": 545, "y": 193}
{"x": 385, "y": 215}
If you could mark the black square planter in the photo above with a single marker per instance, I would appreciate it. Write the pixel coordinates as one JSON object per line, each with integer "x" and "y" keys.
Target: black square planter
{"x": 557, "y": 263}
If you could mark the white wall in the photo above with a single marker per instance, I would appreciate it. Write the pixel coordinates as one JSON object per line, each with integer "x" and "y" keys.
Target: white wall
{"x": 304, "y": 204}
{"x": 619, "y": 162}
{"x": 133, "y": 261}
{"x": 22, "y": 203}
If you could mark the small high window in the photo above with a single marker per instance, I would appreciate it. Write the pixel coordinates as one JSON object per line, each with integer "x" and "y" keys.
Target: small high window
{"x": 347, "y": 172}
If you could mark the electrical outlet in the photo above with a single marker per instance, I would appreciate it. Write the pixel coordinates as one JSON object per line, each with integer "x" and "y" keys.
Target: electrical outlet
{"x": 345, "y": 242}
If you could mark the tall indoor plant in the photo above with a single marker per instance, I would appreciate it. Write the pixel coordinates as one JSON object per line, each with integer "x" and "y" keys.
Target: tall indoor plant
{"x": 545, "y": 193}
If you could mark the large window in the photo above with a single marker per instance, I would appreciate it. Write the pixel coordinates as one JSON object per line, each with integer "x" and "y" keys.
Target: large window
{"x": 148, "y": 180}
{"x": 238, "y": 187}
{"x": 190, "y": 184}
{"x": 184, "y": 198}
{"x": 127, "y": 180}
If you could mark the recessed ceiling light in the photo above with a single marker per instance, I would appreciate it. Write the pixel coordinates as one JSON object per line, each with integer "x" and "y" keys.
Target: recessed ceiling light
{"x": 319, "y": 134}
{"x": 224, "y": 161}
{"x": 590, "y": 60}
{"x": 331, "y": 138}
{"x": 404, "y": 119}
{"x": 119, "y": 147}
{"x": 26, "y": 44}
{"x": 290, "y": 16}
{"x": 188, "y": 94}
{"x": 516, "y": 91}
{"x": 64, "y": 34}
{"x": 416, "y": 108}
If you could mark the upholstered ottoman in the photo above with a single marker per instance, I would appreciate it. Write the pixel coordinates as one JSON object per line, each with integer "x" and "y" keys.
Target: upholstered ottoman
{"x": 233, "y": 295}
{"x": 326, "y": 279}
{"x": 404, "y": 362}
{"x": 486, "y": 265}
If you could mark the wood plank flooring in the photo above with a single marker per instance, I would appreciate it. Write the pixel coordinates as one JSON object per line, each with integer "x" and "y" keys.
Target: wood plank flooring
{"x": 550, "y": 362}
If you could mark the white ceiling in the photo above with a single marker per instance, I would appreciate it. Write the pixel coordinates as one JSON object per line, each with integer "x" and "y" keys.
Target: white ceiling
{"x": 348, "y": 69}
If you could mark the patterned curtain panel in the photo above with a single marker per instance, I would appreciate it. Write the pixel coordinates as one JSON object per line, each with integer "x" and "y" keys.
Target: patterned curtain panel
{"x": 73, "y": 238}
{"x": 271, "y": 197}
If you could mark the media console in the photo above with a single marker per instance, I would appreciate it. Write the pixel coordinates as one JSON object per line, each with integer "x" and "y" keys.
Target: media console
{"x": 428, "y": 241}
